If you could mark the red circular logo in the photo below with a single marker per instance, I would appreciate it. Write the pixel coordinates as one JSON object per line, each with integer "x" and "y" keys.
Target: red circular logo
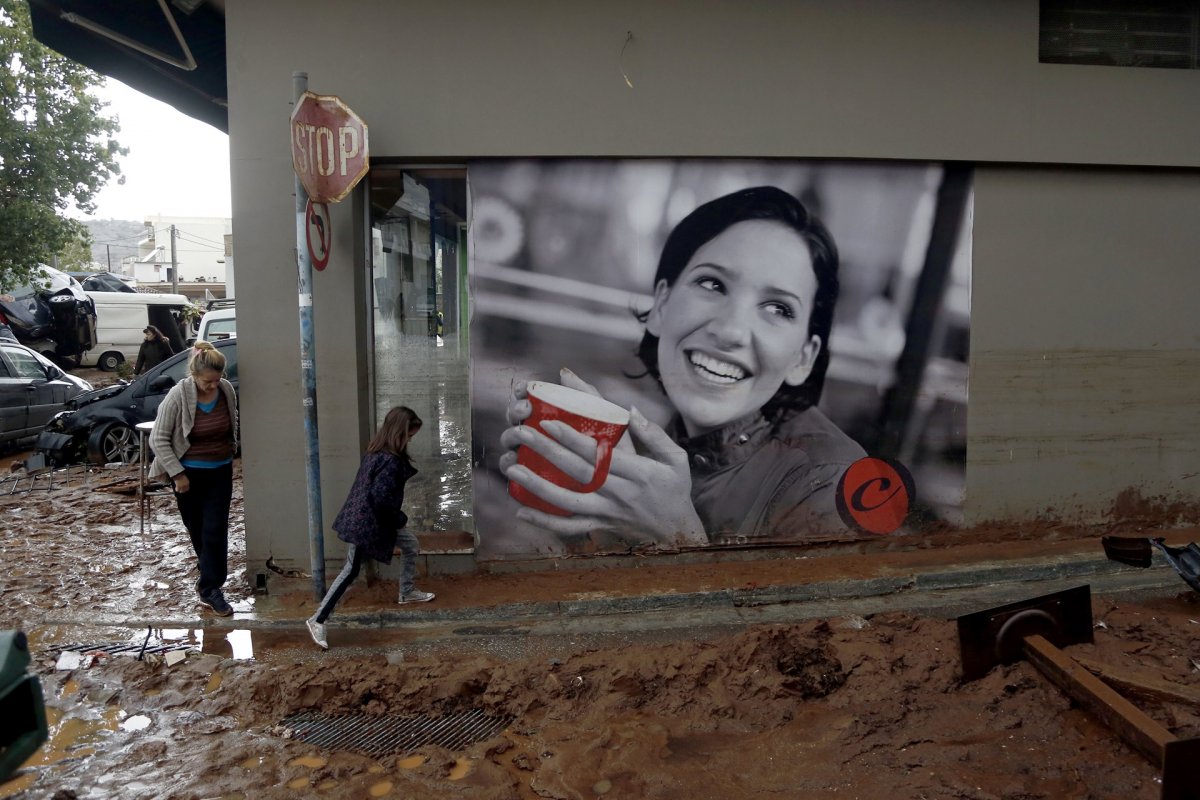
{"x": 874, "y": 495}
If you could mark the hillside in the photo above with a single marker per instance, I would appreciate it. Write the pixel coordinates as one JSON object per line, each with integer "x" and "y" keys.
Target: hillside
{"x": 114, "y": 239}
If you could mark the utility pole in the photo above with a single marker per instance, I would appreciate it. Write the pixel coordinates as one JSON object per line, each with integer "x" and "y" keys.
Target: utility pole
{"x": 174, "y": 265}
{"x": 108, "y": 250}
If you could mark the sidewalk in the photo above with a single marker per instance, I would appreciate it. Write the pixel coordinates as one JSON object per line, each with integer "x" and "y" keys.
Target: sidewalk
{"x": 749, "y": 587}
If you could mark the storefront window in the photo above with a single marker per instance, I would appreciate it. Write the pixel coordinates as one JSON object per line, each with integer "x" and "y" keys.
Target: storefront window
{"x": 418, "y": 288}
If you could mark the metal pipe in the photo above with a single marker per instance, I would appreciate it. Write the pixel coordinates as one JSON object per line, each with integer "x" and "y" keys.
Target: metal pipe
{"x": 308, "y": 372}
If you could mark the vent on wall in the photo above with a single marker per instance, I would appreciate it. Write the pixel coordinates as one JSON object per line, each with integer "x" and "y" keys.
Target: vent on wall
{"x": 1120, "y": 33}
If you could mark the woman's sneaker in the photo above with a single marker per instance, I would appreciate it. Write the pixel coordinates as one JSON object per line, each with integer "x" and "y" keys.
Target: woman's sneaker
{"x": 214, "y": 601}
{"x": 317, "y": 631}
{"x": 416, "y": 596}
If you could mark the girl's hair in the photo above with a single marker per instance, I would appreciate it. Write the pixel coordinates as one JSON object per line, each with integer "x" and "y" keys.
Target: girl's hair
{"x": 204, "y": 357}
{"x": 400, "y": 424}
{"x": 715, "y": 217}
{"x": 158, "y": 335}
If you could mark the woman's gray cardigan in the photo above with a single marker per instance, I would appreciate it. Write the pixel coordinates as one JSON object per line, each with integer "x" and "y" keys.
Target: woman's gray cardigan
{"x": 173, "y": 425}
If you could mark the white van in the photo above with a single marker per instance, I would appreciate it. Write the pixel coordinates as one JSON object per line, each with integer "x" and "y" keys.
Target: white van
{"x": 121, "y": 319}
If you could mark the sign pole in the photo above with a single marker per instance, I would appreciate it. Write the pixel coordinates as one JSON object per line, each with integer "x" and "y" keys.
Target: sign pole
{"x": 308, "y": 371}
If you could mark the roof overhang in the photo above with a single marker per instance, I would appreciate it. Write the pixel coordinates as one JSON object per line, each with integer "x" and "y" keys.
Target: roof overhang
{"x": 171, "y": 50}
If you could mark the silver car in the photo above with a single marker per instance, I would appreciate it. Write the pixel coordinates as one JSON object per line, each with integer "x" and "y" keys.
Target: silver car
{"x": 32, "y": 390}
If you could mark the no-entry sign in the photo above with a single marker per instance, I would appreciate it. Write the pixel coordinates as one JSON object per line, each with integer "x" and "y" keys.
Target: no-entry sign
{"x": 329, "y": 147}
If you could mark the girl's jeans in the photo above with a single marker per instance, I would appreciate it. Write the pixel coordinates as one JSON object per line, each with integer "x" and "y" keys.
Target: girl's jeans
{"x": 410, "y": 547}
{"x": 354, "y": 561}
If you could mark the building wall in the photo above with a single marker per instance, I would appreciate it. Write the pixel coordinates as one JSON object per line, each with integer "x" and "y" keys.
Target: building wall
{"x": 199, "y": 249}
{"x": 1082, "y": 361}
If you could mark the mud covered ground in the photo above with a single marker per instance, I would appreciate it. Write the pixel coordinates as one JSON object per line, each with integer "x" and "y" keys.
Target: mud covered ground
{"x": 843, "y": 707}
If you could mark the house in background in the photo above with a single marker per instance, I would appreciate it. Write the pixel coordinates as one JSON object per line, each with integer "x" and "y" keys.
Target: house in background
{"x": 202, "y": 249}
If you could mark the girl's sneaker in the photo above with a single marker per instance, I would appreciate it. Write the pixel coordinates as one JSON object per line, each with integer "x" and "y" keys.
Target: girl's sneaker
{"x": 317, "y": 631}
{"x": 416, "y": 596}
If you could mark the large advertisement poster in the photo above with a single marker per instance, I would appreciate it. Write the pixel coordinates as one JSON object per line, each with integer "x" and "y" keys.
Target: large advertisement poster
{"x": 690, "y": 354}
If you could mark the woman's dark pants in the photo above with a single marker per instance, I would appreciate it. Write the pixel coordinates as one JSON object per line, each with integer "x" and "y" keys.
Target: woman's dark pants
{"x": 205, "y": 511}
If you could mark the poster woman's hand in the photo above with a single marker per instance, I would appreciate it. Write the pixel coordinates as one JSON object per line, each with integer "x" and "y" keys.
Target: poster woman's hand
{"x": 648, "y": 490}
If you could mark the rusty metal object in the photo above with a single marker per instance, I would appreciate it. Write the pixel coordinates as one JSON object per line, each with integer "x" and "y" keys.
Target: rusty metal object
{"x": 1136, "y": 551}
{"x": 377, "y": 735}
{"x": 991, "y": 637}
{"x": 1132, "y": 550}
{"x": 1035, "y": 630}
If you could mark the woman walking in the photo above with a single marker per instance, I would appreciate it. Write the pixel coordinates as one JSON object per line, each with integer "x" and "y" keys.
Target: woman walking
{"x": 194, "y": 440}
{"x": 371, "y": 521}
{"x": 154, "y": 350}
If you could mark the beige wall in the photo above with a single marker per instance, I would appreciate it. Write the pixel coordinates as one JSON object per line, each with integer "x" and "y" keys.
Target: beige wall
{"x": 1085, "y": 365}
{"x": 1081, "y": 378}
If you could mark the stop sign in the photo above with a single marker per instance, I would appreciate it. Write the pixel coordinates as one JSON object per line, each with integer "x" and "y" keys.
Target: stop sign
{"x": 329, "y": 147}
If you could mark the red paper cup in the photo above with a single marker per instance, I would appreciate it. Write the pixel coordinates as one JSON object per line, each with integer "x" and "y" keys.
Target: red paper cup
{"x": 590, "y": 415}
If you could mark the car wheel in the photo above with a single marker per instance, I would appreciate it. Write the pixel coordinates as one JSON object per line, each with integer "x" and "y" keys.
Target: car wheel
{"x": 110, "y": 361}
{"x": 112, "y": 443}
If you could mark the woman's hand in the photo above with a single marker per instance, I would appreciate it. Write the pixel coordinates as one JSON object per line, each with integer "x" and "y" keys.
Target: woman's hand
{"x": 648, "y": 490}
{"x": 182, "y": 484}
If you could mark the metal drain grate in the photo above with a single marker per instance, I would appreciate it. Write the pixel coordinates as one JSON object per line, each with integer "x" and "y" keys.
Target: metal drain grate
{"x": 384, "y": 736}
{"x": 125, "y": 648}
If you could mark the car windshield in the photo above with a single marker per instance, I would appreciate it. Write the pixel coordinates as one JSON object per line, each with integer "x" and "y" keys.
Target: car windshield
{"x": 220, "y": 329}
{"x": 178, "y": 369}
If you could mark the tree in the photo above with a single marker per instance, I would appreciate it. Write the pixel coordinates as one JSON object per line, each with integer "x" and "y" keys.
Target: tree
{"x": 76, "y": 253}
{"x": 56, "y": 147}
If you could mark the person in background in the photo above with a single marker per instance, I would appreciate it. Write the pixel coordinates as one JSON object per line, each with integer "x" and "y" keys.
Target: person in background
{"x": 371, "y": 520}
{"x": 194, "y": 440}
{"x": 154, "y": 350}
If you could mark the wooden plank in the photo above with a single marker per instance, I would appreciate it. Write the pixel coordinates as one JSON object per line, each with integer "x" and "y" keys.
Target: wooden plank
{"x": 1142, "y": 684}
{"x": 1130, "y": 723}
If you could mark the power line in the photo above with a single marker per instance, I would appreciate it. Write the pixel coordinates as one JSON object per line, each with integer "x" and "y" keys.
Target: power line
{"x": 179, "y": 232}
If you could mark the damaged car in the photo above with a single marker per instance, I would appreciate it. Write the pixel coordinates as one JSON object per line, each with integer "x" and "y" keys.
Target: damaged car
{"x": 53, "y": 316}
{"x": 98, "y": 427}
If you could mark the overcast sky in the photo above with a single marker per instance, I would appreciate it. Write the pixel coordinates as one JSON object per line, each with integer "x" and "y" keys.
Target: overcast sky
{"x": 177, "y": 166}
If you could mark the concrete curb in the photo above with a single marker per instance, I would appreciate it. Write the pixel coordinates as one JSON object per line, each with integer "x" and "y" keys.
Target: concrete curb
{"x": 934, "y": 590}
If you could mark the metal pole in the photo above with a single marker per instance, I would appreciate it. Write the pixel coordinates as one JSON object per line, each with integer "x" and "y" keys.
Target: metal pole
{"x": 174, "y": 264}
{"x": 308, "y": 371}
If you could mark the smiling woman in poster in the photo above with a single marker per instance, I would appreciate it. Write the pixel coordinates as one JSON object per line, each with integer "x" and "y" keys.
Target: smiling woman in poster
{"x": 737, "y": 338}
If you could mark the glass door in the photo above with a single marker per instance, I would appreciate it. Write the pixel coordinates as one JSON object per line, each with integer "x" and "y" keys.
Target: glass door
{"x": 419, "y": 316}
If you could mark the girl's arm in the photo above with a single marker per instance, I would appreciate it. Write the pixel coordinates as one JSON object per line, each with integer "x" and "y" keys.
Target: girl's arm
{"x": 387, "y": 493}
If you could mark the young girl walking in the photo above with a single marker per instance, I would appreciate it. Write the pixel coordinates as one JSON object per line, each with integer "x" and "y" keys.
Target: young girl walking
{"x": 371, "y": 520}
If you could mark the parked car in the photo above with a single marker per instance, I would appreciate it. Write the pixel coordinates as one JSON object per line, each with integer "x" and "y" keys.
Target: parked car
{"x": 32, "y": 390}
{"x": 98, "y": 426}
{"x": 219, "y": 321}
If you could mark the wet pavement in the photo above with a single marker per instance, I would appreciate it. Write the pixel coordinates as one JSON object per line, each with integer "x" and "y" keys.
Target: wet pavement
{"x": 78, "y": 556}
